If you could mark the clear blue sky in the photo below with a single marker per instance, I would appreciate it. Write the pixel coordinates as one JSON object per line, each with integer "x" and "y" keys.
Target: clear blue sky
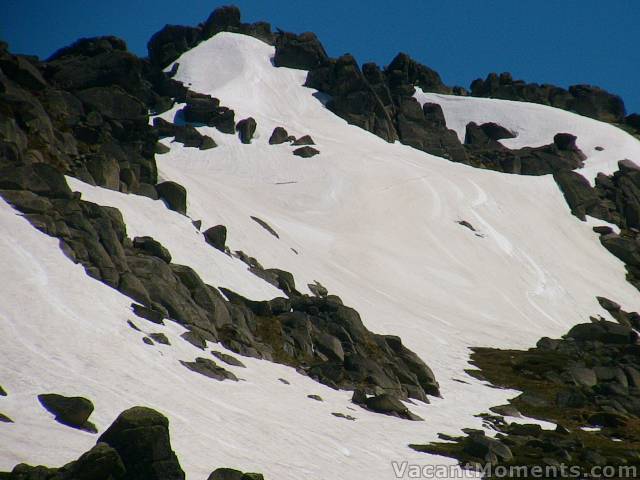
{"x": 547, "y": 41}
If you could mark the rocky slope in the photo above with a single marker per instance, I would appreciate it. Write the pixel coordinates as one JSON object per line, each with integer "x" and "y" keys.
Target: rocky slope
{"x": 165, "y": 184}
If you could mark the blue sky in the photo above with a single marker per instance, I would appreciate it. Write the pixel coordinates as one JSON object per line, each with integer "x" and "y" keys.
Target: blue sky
{"x": 546, "y": 41}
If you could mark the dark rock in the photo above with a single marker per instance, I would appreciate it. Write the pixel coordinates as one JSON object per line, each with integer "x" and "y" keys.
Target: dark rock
{"x": 148, "y": 313}
{"x": 133, "y": 325}
{"x": 577, "y": 191}
{"x": 306, "y": 152}
{"x": 506, "y": 410}
{"x": 409, "y": 72}
{"x": 225, "y": 474}
{"x": 608, "y": 305}
{"x": 5, "y": 419}
{"x": 565, "y": 141}
{"x": 603, "y": 230}
{"x": 496, "y": 132}
{"x": 585, "y": 377}
{"x": 479, "y": 445}
{"x": 194, "y": 339}
{"x": 279, "y": 135}
{"x": 302, "y": 51}
{"x": 304, "y": 140}
{"x": 101, "y": 462}
{"x": 246, "y": 129}
{"x": 206, "y": 110}
{"x": 3, "y": 393}
{"x": 603, "y": 331}
{"x": 285, "y": 280}
{"x": 266, "y": 226}
{"x": 228, "y": 359}
{"x": 113, "y": 102}
{"x": 286, "y": 382}
{"x": 623, "y": 247}
{"x": 209, "y": 368}
{"x": 315, "y": 397}
{"x": 216, "y": 237}
{"x": 39, "y": 178}
{"x": 160, "y": 338}
{"x": 607, "y": 419}
{"x": 146, "y": 190}
{"x": 466, "y": 224}
{"x": 342, "y": 415}
{"x": 141, "y": 438}
{"x": 597, "y": 103}
{"x": 389, "y": 405}
{"x": 152, "y": 247}
{"x": 353, "y": 98}
{"x": 147, "y": 340}
{"x": 170, "y": 42}
{"x": 71, "y": 411}
{"x": 174, "y": 195}
{"x": 221, "y": 19}
{"x": 583, "y": 99}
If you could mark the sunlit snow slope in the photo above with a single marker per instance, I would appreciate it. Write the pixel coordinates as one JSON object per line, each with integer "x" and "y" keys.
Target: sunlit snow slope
{"x": 373, "y": 222}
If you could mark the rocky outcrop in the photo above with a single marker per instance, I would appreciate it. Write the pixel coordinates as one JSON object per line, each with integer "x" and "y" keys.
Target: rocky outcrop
{"x": 406, "y": 71}
{"x": 166, "y": 45}
{"x": 583, "y": 99}
{"x": 185, "y": 134}
{"x": 303, "y": 51}
{"x": 486, "y": 152}
{"x": 140, "y": 436}
{"x": 205, "y": 110}
{"x": 590, "y": 377}
{"x": 352, "y": 96}
{"x": 135, "y": 447}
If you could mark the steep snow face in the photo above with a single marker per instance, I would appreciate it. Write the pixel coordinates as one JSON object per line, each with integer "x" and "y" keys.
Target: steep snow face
{"x": 373, "y": 222}
{"x": 535, "y": 125}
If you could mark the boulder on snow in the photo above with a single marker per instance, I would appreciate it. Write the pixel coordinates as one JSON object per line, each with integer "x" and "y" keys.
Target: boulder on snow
{"x": 216, "y": 236}
{"x": 71, "y": 411}
{"x": 306, "y": 152}
{"x": 246, "y": 129}
{"x": 304, "y": 140}
{"x": 174, "y": 195}
{"x": 279, "y": 135}
{"x": 209, "y": 368}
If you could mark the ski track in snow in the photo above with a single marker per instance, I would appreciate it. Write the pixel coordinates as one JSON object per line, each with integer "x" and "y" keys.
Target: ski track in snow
{"x": 373, "y": 222}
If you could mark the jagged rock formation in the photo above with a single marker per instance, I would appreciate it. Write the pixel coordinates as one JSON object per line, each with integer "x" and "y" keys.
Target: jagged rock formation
{"x": 583, "y": 99}
{"x": 591, "y": 377}
{"x": 614, "y": 199}
{"x": 172, "y": 41}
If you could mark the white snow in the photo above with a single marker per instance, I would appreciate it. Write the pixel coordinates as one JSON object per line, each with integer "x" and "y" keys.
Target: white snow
{"x": 373, "y": 222}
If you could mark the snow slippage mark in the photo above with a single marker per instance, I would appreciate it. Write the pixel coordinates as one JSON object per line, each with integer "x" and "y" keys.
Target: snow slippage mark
{"x": 535, "y": 125}
{"x": 364, "y": 227}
